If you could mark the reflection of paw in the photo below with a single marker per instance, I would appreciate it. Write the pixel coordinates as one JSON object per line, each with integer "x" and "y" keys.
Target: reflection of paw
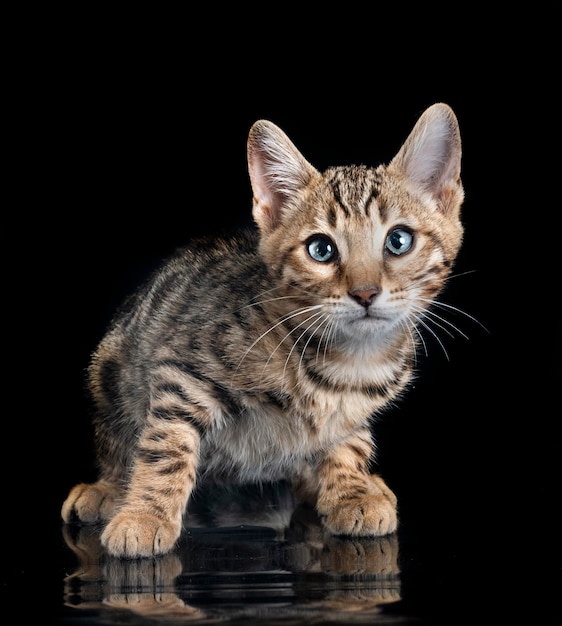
{"x": 365, "y": 600}
{"x": 143, "y": 575}
{"x": 90, "y": 503}
{"x": 361, "y": 555}
{"x": 84, "y": 541}
{"x": 372, "y": 562}
{"x": 146, "y": 587}
{"x": 136, "y": 535}
{"x": 165, "y": 606}
{"x": 366, "y": 516}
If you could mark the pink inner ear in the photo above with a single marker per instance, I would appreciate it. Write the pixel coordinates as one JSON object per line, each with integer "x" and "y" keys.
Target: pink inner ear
{"x": 266, "y": 201}
{"x": 277, "y": 172}
{"x": 265, "y": 216}
{"x": 430, "y": 156}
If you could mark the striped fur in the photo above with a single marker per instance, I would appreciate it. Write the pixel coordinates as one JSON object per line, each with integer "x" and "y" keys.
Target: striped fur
{"x": 264, "y": 356}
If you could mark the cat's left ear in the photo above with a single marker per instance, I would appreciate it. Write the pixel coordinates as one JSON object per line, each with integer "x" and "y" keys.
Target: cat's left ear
{"x": 430, "y": 158}
{"x": 278, "y": 171}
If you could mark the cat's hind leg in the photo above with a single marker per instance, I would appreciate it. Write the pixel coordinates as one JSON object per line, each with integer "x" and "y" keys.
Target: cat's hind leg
{"x": 91, "y": 503}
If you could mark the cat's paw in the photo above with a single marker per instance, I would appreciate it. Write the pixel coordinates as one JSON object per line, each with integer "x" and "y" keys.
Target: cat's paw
{"x": 134, "y": 535}
{"x": 371, "y": 515}
{"x": 90, "y": 503}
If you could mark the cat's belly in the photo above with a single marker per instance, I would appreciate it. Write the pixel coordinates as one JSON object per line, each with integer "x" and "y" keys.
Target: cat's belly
{"x": 226, "y": 466}
{"x": 266, "y": 444}
{"x": 239, "y": 455}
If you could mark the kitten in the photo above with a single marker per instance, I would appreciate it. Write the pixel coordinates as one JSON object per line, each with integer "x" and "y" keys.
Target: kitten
{"x": 265, "y": 356}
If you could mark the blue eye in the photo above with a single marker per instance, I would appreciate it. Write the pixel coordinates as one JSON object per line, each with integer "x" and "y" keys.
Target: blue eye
{"x": 321, "y": 248}
{"x": 399, "y": 241}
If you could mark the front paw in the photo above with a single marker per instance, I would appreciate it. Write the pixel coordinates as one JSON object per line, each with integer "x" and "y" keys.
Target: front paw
{"x": 134, "y": 535}
{"x": 370, "y": 515}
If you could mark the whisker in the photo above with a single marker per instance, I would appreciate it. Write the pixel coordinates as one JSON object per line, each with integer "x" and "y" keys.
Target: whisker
{"x": 461, "y": 274}
{"x": 420, "y": 321}
{"x": 283, "y": 319}
{"x": 331, "y": 331}
{"x": 319, "y": 322}
{"x": 285, "y": 297}
{"x": 455, "y": 309}
{"x": 413, "y": 327}
{"x": 433, "y": 317}
{"x": 295, "y": 342}
{"x": 257, "y": 303}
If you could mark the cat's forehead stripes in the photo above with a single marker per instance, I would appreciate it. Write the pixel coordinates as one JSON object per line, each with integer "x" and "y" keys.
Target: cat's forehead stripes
{"x": 354, "y": 188}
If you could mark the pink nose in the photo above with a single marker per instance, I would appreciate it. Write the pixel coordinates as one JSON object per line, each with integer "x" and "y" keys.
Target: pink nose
{"x": 364, "y": 297}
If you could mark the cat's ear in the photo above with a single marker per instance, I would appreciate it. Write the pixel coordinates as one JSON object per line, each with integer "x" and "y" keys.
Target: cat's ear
{"x": 277, "y": 172}
{"x": 430, "y": 158}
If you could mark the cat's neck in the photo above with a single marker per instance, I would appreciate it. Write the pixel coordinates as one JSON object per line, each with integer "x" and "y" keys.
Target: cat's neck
{"x": 362, "y": 361}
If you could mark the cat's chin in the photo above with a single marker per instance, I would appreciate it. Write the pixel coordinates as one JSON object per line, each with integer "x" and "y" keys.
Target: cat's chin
{"x": 367, "y": 331}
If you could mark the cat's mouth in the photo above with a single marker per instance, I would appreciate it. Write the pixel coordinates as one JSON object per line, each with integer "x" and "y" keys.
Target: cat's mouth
{"x": 372, "y": 316}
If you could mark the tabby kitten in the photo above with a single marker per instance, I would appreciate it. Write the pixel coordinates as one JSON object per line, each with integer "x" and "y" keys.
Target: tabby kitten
{"x": 265, "y": 355}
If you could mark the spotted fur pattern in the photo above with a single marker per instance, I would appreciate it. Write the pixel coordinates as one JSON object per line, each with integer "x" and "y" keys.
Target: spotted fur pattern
{"x": 264, "y": 356}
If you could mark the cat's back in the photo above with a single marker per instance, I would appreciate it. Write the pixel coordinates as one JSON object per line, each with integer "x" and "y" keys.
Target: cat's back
{"x": 192, "y": 294}
{"x": 194, "y": 280}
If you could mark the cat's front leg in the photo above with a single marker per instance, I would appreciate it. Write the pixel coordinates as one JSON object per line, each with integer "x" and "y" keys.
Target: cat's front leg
{"x": 163, "y": 475}
{"x": 350, "y": 500}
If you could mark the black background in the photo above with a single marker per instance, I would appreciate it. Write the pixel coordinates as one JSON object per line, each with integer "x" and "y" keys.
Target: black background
{"x": 131, "y": 138}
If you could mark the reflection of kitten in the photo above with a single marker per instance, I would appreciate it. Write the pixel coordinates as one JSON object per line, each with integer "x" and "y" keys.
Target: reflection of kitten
{"x": 264, "y": 356}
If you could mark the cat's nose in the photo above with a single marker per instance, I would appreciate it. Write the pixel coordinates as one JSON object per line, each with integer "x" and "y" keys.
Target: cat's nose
{"x": 364, "y": 297}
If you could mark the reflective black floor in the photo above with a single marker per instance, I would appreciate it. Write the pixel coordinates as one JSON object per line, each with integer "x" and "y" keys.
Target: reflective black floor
{"x": 252, "y": 556}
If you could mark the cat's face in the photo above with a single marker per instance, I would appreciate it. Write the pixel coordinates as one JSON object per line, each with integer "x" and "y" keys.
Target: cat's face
{"x": 364, "y": 250}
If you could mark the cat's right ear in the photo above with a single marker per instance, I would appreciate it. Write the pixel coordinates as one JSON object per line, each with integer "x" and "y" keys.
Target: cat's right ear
{"x": 278, "y": 171}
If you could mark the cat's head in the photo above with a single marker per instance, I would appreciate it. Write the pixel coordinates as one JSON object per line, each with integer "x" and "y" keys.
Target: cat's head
{"x": 373, "y": 246}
